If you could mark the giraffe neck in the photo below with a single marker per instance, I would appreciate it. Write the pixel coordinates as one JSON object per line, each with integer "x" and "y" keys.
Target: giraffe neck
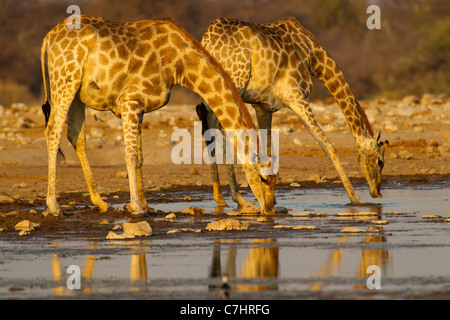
{"x": 326, "y": 70}
{"x": 205, "y": 76}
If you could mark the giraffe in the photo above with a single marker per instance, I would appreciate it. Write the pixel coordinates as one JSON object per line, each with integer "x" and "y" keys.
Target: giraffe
{"x": 129, "y": 68}
{"x": 271, "y": 66}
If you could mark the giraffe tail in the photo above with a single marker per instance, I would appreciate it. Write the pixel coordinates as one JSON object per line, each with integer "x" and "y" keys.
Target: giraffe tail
{"x": 202, "y": 113}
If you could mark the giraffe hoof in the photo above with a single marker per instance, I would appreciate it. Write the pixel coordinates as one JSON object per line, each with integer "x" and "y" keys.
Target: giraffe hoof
{"x": 221, "y": 203}
{"x": 138, "y": 212}
{"x": 149, "y": 210}
{"x": 56, "y": 213}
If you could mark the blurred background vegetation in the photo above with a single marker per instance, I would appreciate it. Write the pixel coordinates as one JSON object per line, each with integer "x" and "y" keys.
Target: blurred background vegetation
{"x": 410, "y": 54}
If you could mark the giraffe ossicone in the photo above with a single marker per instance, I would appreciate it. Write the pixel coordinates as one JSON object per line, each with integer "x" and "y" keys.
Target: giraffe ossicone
{"x": 271, "y": 66}
{"x": 129, "y": 68}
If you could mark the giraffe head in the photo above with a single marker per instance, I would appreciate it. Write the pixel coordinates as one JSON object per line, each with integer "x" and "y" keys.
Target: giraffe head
{"x": 371, "y": 161}
{"x": 261, "y": 180}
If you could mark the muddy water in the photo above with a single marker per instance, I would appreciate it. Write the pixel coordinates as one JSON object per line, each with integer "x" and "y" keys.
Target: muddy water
{"x": 411, "y": 253}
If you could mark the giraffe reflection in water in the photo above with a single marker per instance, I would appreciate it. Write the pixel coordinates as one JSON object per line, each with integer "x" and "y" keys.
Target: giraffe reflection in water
{"x": 259, "y": 271}
{"x": 138, "y": 271}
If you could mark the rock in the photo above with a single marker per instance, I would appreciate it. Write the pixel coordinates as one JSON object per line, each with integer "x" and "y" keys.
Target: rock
{"x": 249, "y": 208}
{"x": 357, "y": 214}
{"x": 233, "y": 213}
{"x": 431, "y": 217}
{"x": 122, "y": 174}
{"x": 390, "y": 126}
{"x": 184, "y": 230}
{"x": 26, "y": 225}
{"x": 170, "y": 216}
{"x": 227, "y": 224}
{"x": 194, "y": 211}
{"x": 283, "y": 226}
{"x": 6, "y": 199}
{"x": 114, "y": 236}
{"x": 379, "y": 222}
{"x": 115, "y": 123}
{"x": 280, "y": 209}
{"x": 301, "y": 214}
{"x": 297, "y": 142}
{"x": 301, "y": 227}
{"x": 352, "y": 230}
{"x": 97, "y": 132}
{"x": 405, "y": 155}
{"x": 138, "y": 229}
{"x": 2, "y": 229}
{"x": 20, "y": 185}
{"x": 187, "y": 198}
{"x": 294, "y": 184}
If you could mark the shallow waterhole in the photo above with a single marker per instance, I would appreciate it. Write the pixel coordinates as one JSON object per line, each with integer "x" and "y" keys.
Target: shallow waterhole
{"x": 412, "y": 253}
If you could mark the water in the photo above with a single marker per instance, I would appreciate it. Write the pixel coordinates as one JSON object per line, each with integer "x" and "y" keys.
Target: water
{"x": 412, "y": 254}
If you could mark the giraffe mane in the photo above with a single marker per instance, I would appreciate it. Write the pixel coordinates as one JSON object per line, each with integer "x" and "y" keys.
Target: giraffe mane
{"x": 365, "y": 119}
{"x": 243, "y": 109}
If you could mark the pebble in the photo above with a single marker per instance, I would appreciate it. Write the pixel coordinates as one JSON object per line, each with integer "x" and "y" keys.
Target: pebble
{"x": 227, "y": 224}
{"x": 138, "y": 229}
{"x": 405, "y": 155}
{"x": 301, "y": 227}
{"x": 194, "y": 211}
{"x": 431, "y": 217}
{"x": 301, "y": 214}
{"x": 249, "y": 208}
{"x": 283, "y": 226}
{"x": 357, "y": 214}
{"x": 280, "y": 209}
{"x": 380, "y": 222}
{"x": 6, "y": 199}
{"x": 121, "y": 174}
{"x": 114, "y": 236}
{"x": 170, "y": 216}
{"x": 20, "y": 185}
{"x": 297, "y": 142}
{"x": 352, "y": 230}
{"x": 184, "y": 230}
{"x": 26, "y": 225}
{"x": 233, "y": 213}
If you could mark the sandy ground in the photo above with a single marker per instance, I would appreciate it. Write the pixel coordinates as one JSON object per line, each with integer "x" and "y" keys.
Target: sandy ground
{"x": 418, "y": 129}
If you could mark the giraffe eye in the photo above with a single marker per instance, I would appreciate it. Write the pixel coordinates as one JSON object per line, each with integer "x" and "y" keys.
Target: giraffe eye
{"x": 263, "y": 180}
{"x": 380, "y": 163}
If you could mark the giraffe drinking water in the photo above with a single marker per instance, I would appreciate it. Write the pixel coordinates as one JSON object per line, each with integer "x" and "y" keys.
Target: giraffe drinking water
{"x": 129, "y": 69}
{"x": 271, "y": 66}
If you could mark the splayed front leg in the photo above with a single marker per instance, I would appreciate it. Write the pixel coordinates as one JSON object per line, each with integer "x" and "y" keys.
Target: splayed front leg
{"x": 77, "y": 137}
{"x": 130, "y": 120}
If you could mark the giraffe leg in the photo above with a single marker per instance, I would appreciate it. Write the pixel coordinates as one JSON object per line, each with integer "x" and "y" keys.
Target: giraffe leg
{"x": 217, "y": 190}
{"x": 301, "y": 108}
{"x": 130, "y": 120}
{"x": 140, "y": 180}
{"x": 77, "y": 137}
{"x": 206, "y": 115}
{"x": 53, "y": 132}
{"x": 234, "y": 187}
{"x": 264, "y": 119}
